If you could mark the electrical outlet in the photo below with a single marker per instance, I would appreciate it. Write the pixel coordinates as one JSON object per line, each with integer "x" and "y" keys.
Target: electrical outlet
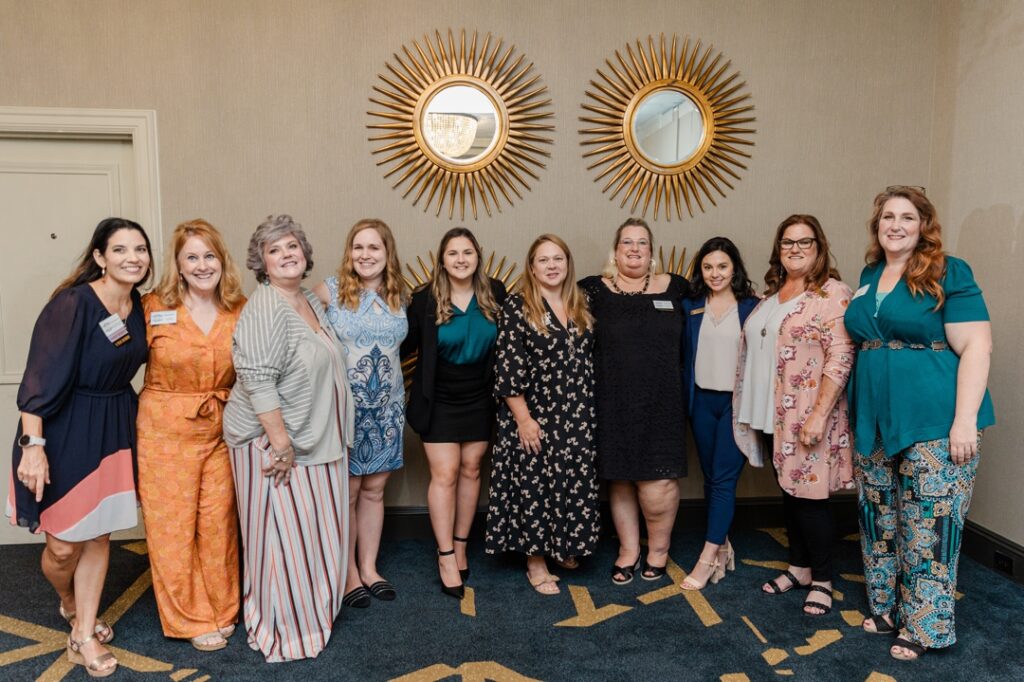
{"x": 1003, "y": 563}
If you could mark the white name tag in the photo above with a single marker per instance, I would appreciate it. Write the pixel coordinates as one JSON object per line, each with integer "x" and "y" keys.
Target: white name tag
{"x": 860, "y": 292}
{"x": 163, "y": 317}
{"x": 663, "y": 305}
{"x": 115, "y": 330}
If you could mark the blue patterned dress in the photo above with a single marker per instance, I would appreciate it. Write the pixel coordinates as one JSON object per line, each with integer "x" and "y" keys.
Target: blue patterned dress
{"x": 371, "y": 336}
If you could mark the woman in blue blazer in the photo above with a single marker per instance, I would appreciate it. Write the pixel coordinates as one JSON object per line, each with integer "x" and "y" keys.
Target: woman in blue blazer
{"x": 722, "y": 298}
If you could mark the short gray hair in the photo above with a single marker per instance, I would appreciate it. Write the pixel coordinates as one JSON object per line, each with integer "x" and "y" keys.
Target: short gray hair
{"x": 270, "y": 230}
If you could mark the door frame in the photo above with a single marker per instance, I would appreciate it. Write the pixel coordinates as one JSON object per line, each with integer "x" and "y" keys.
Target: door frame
{"x": 138, "y": 125}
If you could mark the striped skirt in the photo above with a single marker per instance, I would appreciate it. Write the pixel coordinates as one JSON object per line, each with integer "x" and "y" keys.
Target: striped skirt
{"x": 295, "y": 552}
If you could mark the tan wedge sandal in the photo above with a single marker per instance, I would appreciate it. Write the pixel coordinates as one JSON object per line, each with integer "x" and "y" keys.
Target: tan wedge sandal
{"x": 93, "y": 667}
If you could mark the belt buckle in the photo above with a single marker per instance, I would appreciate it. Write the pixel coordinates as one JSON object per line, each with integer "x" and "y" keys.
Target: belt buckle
{"x": 895, "y": 344}
{"x": 873, "y": 344}
{"x": 938, "y": 346}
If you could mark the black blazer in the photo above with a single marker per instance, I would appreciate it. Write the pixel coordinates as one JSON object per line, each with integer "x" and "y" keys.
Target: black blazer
{"x": 422, "y": 337}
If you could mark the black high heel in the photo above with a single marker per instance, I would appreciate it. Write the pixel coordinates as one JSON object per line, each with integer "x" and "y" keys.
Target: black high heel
{"x": 464, "y": 572}
{"x": 457, "y": 591}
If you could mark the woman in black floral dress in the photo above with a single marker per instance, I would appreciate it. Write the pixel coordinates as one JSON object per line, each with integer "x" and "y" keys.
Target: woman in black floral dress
{"x": 544, "y": 492}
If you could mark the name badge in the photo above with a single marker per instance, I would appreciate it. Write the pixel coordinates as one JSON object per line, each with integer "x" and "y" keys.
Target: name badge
{"x": 114, "y": 329}
{"x": 697, "y": 311}
{"x": 163, "y": 317}
{"x": 860, "y": 292}
{"x": 663, "y": 305}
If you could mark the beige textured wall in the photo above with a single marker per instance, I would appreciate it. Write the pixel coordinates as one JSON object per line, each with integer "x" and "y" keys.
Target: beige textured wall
{"x": 984, "y": 50}
{"x": 262, "y": 108}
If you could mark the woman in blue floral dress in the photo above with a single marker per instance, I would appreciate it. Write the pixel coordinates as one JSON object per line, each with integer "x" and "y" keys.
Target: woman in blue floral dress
{"x": 365, "y": 304}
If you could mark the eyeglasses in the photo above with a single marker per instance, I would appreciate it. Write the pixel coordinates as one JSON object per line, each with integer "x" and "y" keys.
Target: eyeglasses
{"x": 804, "y": 244}
{"x": 903, "y": 188}
{"x": 639, "y": 243}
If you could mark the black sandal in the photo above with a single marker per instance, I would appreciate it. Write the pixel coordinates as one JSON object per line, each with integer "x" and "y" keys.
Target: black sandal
{"x": 358, "y": 598}
{"x": 775, "y": 588}
{"x": 916, "y": 648}
{"x": 383, "y": 590}
{"x": 652, "y": 572}
{"x": 626, "y": 572}
{"x": 824, "y": 609}
{"x": 880, "y": 625}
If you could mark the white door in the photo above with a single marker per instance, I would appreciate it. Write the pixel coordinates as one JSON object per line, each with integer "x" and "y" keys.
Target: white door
{"x": 53, "y": 192}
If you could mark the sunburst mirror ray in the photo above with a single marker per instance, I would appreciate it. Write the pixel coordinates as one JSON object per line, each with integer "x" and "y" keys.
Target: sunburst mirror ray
{"x": 461, "y": 121}
{"x": 668, "y": 125}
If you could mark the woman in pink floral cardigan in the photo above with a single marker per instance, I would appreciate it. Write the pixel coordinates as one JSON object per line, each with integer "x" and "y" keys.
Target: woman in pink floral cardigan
{"x": 795, "y": 359}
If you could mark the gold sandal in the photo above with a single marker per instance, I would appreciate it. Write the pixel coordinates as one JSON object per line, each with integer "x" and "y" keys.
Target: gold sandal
{"x": 209, "y": 641}
{"x": 541, "y": 580}
{"x": 104, "y": 633}
{"x": 93, "y": 666}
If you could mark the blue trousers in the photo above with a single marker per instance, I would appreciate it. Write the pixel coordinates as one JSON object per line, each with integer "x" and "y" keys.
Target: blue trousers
{"x": 720, "y": 460}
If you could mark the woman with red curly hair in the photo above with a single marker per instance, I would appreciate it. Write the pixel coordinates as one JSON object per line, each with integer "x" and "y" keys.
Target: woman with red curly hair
{"x": 919, "y": 402}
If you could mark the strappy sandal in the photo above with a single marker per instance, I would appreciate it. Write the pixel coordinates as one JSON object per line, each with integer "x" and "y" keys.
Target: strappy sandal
{"x": 93, "y": 666}
{"x": 823, "y": 609}
{"x": 209, "y": 641}
{"x": 650, "y": 572}
{"x": 383, "y": 590}
{"x": 540, "y": 581}
{"x": 691, "y": 583}
{"x": 463, "y": 572}
{"x": 623, "y": 575}
{"x": 879, "y": 625}
{"x": 104, "y": 633}
{"x": 775, "y": 588}
{"x": 912, "y": 647}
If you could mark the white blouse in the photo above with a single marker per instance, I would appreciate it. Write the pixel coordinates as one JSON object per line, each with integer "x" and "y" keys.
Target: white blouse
{"x": 761, "y": 332}
{"x": 718, "y": 344}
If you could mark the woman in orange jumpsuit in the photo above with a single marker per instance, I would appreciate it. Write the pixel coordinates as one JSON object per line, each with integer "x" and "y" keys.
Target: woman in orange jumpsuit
{"x": 185, "y": 481}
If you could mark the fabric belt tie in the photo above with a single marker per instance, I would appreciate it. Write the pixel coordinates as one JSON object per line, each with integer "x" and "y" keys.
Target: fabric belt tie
{"x": 896, "y": 344}
{"x": 206, "y": 403}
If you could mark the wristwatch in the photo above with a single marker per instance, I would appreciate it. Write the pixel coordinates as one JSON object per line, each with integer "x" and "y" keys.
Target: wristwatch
{"x": 27, "y": 441}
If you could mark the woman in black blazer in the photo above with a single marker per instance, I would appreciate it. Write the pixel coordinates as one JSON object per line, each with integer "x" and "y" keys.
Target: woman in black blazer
{"x": 453, "y": 326}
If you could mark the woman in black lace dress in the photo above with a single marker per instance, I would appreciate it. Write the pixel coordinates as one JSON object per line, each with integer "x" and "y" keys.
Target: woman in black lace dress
{"x": 638, "y": 361}
{"x": 544, "y": 492}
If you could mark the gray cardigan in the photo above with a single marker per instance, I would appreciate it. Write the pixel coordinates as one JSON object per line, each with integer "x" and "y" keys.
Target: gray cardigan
{"x": 281, "y": 363}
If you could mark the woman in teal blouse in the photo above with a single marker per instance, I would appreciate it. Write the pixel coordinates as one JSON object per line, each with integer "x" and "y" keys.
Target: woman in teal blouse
{"x": 919, "y": 402}
{"x": 452, "y": 331}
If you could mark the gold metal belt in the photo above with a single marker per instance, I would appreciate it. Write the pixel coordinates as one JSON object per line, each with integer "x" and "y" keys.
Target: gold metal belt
{"x": 896, "y": 344}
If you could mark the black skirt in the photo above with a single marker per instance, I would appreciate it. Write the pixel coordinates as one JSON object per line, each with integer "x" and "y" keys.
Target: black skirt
{"x": 463, "y": 407}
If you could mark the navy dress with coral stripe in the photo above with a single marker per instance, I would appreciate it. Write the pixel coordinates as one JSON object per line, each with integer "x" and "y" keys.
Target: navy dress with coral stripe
{"x": 79, "y": 383}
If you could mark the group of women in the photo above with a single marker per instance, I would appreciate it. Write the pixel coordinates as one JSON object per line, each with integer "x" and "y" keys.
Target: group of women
{"x": 283, "y": 416}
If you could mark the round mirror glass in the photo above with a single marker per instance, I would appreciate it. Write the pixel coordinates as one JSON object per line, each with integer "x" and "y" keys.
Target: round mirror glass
{"x": 460, "y": 123}
{"x": 667, "y": 127}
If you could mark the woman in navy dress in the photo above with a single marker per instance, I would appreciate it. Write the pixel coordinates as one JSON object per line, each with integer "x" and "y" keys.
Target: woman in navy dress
{"x": 722, "y": 299}
{"x": 75, "y": 444}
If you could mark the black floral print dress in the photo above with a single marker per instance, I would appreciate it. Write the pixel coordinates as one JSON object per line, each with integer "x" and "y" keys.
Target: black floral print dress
{"x": 544, "y": 504}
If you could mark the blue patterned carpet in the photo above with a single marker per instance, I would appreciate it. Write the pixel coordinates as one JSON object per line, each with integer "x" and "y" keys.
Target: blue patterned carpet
{"x": 504, "y": 631}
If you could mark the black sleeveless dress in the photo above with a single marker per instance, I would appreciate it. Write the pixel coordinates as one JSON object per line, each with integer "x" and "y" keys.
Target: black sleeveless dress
{"x": 638, "y": 359}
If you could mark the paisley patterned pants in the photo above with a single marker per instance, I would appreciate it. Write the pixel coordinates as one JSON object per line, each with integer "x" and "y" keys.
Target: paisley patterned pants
{"x": 912, "y": 508}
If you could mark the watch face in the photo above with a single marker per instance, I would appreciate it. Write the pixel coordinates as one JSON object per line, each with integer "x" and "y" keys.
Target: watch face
{"x": 23, "y": 441}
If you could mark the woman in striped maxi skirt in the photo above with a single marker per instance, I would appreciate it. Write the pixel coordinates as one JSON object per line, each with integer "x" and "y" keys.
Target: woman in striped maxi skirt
{"x": 288, "y": 424}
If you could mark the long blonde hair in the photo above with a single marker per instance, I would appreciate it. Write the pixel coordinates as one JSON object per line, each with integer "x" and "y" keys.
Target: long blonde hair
{"x": 172, "y": 287}
{"x": 441, "y": 288}
{"x": 533, "y": 302}
{"x": 350, "y": 286}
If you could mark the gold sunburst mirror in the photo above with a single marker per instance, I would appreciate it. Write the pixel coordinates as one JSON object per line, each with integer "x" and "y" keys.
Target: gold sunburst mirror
{"x": 461, "y": 122}
{"x": 668, "y": 125}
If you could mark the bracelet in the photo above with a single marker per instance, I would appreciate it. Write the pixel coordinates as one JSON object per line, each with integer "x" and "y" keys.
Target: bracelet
{"x": 282, "y": 456}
